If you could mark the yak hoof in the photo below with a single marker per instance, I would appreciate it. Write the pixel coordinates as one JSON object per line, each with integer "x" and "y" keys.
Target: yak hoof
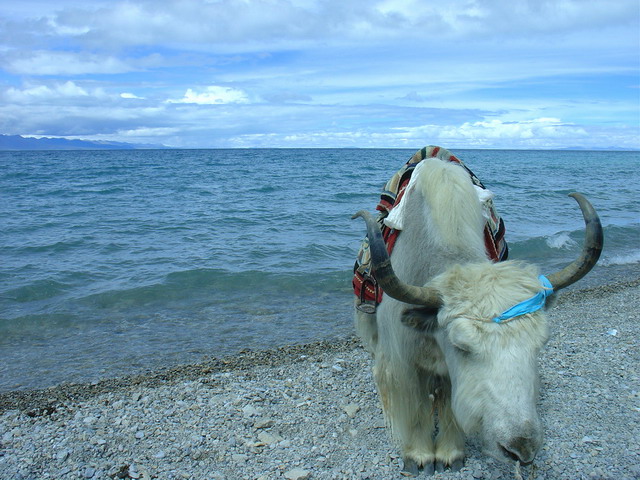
{"x": 429, "y": 469}
{"x": 410, "y": 468}
{"x": 456, "y": 466}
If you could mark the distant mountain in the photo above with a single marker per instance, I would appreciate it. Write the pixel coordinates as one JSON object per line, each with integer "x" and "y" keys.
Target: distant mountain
{"x": 18, "y": 142}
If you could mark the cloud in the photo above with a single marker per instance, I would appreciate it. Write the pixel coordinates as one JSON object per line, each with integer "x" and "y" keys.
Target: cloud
{"x": 251, "y": 25}
{"x": 531, "y": 134}
{"x": 65, "y": 63}
{"x": 213, "y": 95}
{"x": 130, "y": 96}
{"x": 286, "y": 97}
{"x": 413, "y": 97}
{"x": 539, "y": 132}
{"x": 38, "y": 94}
{"x": 323, "y": 72}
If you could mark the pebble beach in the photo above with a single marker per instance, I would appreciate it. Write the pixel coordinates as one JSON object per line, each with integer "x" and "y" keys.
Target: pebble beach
{"x": 312, "y": 412}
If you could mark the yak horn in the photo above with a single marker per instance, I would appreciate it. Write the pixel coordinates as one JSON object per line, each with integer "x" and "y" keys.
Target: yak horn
{"x": 591, "y": 249}
{"x": 386, "y": 277}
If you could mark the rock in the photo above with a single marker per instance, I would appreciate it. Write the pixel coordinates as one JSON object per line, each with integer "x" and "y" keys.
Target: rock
{"x": 351, "y": 409}
{"x": 239, "y": 458}
{"x": 264, "y": 423}
{"x": 249, "y": 411}
{"x": 267, "y": 439}
{"x": 297, "y": 474}
{"x": 63, "y": 455}
{"x": 477, "y": 473}
{"x": 89, "y": 472}
{"x": 133, "y": 471}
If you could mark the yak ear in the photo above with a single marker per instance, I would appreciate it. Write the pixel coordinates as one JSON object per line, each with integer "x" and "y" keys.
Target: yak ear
{"x": 423, "y": 319}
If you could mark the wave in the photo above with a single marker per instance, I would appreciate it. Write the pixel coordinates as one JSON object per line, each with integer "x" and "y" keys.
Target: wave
{"x": 560, "y": 240}
{"x": 37, "y": 291}
{"x": 620, "y": 246}
{"x": 622, "y": 259}
{"x": 197, "y": 288}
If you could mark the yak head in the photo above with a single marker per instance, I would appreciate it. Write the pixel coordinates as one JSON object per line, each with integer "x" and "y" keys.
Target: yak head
{"x": 493, "y": 366}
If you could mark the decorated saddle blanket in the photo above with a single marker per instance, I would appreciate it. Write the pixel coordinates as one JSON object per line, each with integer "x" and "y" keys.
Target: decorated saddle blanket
{"x": 365, "y": 287}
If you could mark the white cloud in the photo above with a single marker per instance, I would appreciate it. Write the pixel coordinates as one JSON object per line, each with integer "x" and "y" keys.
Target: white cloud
{"x": 149, "y": 132}
{"x": 533, "y": 133}
{"x": 213, "y": 95}
{"x": 324, "y": 72}
{"x": 65, "y": 63}
{"x": 37, "y": 94}
{"x": 493, "y": 129}
{"x": 259, "y": 25}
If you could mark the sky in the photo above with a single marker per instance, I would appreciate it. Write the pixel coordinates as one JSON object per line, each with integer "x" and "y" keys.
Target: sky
{"x": 334, "y": 73}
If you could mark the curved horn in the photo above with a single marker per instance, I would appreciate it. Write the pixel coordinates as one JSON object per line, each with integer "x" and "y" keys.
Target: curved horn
{"x": 591, "y": 249}
{"x": 385, "y": 275}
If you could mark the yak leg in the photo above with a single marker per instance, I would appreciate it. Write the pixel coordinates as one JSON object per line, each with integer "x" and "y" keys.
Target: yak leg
{"x": 450, "y": 439}
{"x": 408, "y": 411}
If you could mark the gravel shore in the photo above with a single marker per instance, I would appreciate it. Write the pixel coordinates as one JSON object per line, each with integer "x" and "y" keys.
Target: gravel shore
{"x": 312, "y": 412}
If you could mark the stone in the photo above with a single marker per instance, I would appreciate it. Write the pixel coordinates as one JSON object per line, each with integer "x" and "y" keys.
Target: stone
{"x": 133, "y": 471}
{"x": 63, "y": 455}
{"x": 351, "y": 409}
{"x": 297, "y": 474}
{"x": 249, "y": 411}
{"x": 264, "y": 423}
{"x": 477, "y": 473}
{"x": 239, "y": 457}
{"x": 268, "y": 439}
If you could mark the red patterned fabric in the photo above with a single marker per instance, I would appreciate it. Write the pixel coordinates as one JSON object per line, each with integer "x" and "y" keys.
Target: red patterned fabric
{"x": 364, "y": 283}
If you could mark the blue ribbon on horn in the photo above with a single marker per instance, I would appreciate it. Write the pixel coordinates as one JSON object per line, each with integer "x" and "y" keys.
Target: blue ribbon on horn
{"x": 531, "y": 305}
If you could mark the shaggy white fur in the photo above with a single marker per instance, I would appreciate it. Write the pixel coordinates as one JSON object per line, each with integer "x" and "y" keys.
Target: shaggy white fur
{"x": 469, "y": 375}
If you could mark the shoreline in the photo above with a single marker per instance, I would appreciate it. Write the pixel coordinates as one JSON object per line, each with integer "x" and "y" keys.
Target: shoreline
{"x": 311, "y": 412}
{"x": 39, "y": 401}
{"x": 39, "y": 356}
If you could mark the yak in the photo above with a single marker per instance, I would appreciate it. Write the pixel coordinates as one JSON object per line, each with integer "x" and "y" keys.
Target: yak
{"x": 456, "y": 336}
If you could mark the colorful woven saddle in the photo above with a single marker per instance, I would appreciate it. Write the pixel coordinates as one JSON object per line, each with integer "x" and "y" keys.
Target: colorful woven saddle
{"x": 365, "y": 287}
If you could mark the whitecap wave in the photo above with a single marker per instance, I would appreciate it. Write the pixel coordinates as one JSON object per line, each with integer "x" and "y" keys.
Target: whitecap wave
{"x": 622, "y": 259}
{"x": 560, "y": 240}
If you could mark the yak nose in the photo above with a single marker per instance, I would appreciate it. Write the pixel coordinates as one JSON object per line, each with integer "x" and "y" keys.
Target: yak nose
{"x": 521, "y": 449}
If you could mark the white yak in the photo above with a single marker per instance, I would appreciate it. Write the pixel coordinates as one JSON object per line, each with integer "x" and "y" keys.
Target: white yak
{"x": 436, "y": 340}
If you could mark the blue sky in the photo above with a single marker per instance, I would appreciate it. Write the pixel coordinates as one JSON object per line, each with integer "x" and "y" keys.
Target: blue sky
{"x": 334, "y": 73}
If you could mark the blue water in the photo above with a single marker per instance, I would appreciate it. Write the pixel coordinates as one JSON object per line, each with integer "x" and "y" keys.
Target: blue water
{"x": 122, "y": 261}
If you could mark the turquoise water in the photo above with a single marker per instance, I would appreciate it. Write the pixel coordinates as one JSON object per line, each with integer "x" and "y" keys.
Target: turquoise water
{"x": 121, "y": 261}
